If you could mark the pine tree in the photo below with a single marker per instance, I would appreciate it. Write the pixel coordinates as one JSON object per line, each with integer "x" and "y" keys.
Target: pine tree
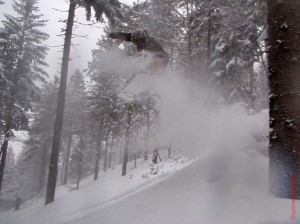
{"x": 58, "y": 125}
{"x": 22, "y": 56}
{"x": 41, "y": 131}
{"x": 76, "y": 117}
{"x": 236, "y": 49}
{"x": 34, "y": 158}
{"x": 109, "y": 8}
{"x": 103, "y": 105}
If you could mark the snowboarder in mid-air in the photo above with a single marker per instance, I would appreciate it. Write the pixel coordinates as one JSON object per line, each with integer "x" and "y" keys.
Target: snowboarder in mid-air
{"x": 143, "y": 42}
{"x": 156, "y": 59}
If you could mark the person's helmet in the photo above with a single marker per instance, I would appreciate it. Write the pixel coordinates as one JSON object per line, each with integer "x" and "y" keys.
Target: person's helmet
{"x": 137, "y": 35}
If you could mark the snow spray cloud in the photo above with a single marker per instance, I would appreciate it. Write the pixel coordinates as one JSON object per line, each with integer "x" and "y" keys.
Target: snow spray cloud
{"x": 117, "y": 62}
{"x": 224, "y": 137}
{"x": 192, "y": 119}
{"x": 230, "y": 142}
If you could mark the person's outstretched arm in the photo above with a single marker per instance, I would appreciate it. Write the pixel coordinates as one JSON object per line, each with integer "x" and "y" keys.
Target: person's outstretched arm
{"x": 121, "y": 36}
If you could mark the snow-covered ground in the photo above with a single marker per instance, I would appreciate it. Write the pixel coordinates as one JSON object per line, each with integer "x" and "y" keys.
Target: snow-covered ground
{"x": 216, "y": 189}
{"x": 197, "y": 195}
{"x": 17, "y": 143}
{"x": 93, "y": 196}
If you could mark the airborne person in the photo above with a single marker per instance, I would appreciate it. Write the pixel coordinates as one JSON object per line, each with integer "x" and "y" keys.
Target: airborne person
{"x": 146, "y": 45}
{"x": 154, "y": 57}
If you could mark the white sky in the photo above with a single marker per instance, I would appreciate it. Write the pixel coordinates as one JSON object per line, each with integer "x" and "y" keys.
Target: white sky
{"x": 79, "y": 55}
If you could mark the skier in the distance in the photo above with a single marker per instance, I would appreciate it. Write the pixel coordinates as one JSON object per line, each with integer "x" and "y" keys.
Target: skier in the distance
{"x": 155, "y": 58}
{"x": 155, "y": 166}
{"x": 156, "y": 156}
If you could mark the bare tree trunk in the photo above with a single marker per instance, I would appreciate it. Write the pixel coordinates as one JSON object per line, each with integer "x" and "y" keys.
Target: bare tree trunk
{"x": 105, "y": 155}
{"x": 43, "y": 168}
{"x": 63, "y": 164}
{"x": 81, "y": 142}
{"x": 148, "y": 124}
{"x": 97, "y": 160}
{"x": 111, "y": 153}
{"x": 98, "y": 151}
{"x": 126, "y": 148}
{"x": 3, "y": 158}
{"x": 81, "y": 148}
{"x": 208, "y": 48}
{"x": 284, "y": 67}
{"x": 67, "y": 159}
{"x": 169, "y": 151}
{"x": 251, "y": 84}
{"x": 52, "y": 177}
{"x": 79, "y": 166}
{"x": 121, "y": 153}
{"x": 35, "y": 176}
{"x": 189, "y": 36}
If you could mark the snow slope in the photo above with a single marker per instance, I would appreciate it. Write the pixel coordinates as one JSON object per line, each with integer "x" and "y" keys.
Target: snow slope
{"x": 92, "y": 196}
{"x": 230, "y": 188}
{"x": 201, "y": 194}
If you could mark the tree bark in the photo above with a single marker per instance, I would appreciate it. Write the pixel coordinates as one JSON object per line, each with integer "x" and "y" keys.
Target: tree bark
{"x": 79, "y": 166}
{"x": 169, "y": 151}
{"x": 81, "y": 142}
{"x": 43, "y": 168}
{"x": 284, "y": 67}
{"x": 98, "y": 151}
{"x": 97, "y": 160}
{"x": 52, "y": 177}
{"x": 251, "y": 85}
{"x": 127, "y": 132}
{"x": 189, "y": 36}
{"x": 67, "y": 159}
{"x": 208, "y": 47}
{"x": 148, "y": 124}
{"x": 105, "y": 155}
{"x": 111, "y": 153}
{"x": 121, "y": 153}
{"x": 2, "y": 161}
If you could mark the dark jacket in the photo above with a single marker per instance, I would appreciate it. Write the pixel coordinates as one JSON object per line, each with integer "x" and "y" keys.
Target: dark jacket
{"x": 142, "y": 41}
{"x": 155, "y": 157}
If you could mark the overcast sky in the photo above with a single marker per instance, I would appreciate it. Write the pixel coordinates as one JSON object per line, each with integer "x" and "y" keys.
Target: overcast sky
{"x": 79, "y": 55}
